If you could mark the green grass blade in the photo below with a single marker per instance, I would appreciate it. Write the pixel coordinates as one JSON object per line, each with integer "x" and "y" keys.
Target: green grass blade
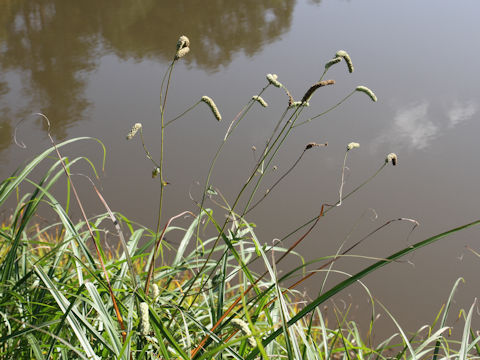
{"x": 71, "y": 319}
{"x": 465, "y": 346}
{"x": 35, "y": 347}
{"x": 105, "y": 317}
{"x": 158, "y": 322}
{"x": 11, "y": 183}
{"x": 445, "y": 314}
{"x": 344, "y": 284}
{"x": 186, "y": 239}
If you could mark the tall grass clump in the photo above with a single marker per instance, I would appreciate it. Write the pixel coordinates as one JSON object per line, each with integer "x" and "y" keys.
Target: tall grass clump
{"x": 66, "y": 292}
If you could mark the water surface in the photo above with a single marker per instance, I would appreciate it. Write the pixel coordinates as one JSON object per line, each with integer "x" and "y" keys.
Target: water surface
{"x": 95, "y": 68}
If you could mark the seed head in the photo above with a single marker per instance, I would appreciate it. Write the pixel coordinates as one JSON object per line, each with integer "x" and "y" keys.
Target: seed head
{"x": 144, "y": 319}
{"x": 352, "y": 145}
{"x": 207, "y": 100}
{"x": 272, "y": 79}
{"x": 344, "y": 55}
{"x": 332, "y": 62}
{"x": 260, "y": 100}
{"x": 392, "y": 157}
{"x": 155, "y": 172}
{"x": 367, "y": 91}
{"x": 134, "y": 131}
{"x": 314, "y": 87}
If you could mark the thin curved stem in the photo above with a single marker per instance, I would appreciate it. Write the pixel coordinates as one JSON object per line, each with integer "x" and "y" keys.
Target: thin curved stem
{"x": 280, "y": 141}
{"x": 149, "y": 156}
{"x": 276, "y": 183}
{"x": 323, "y": 212}
{"x": 162, "y": 148}
{"x": 328, "y": 110}
{"x": 342, "y": 181}
{"x": 240, "y": 116}
{"x": 183, "y": 113}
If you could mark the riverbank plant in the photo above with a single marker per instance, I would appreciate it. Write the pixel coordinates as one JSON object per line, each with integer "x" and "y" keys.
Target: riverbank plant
{"x": 73, "y": 290}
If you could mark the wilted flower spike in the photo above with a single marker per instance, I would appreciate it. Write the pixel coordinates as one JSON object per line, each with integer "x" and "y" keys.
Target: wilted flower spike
{"x": 310, "y": 145}
{"x": 392, "y": 157}
{"x": 343, "y": 54}
{"x": 352, "y": 145}
{"x": 207, "y": 100}
{"x": 272, "y": 79}
{"x": 260, "y": 100}
{"x": 134, "y": 131}
{"x": 144, "y": 319}
{"x": 314, "y": 87}
{"x": 314, "y": 144}
{"x": 332, "y": 62}
{"x": 367, "y": 91}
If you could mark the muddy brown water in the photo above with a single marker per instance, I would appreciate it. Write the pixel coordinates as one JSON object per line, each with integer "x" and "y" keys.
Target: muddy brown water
{"x": 95, "y": 68}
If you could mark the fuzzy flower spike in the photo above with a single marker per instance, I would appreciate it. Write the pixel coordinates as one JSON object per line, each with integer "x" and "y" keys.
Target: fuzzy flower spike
{"x": 352, "y": 145}
{"x": 344, "y": 55}
{"x": 134, "y": 131}
{"x": 332, "y": 62}
{"x": 207, "y": 100}
{"x": 183, "y": 42}
{"x": 243, "y": 327}
{"x": 144, "y": 319}
{"x": 272, "y": 79}
{"x": 367, "y": 91}
{"x": 392, "y": 157}
{"x": 260, "y": 100}
{"x": 298, "y": 103}
{"x": 183, "y": 48}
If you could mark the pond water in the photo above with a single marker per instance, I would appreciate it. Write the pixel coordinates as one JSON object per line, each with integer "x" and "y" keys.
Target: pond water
{"x": 95, "y": 68}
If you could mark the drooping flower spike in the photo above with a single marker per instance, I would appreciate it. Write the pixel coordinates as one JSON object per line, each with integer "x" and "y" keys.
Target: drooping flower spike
{"x": 260, "y": 100}
{"x": 344, "y": 55}
{"x": 392, "y": 157}
{"x": 207, "y": 100}
{"x": 367, "y": 91}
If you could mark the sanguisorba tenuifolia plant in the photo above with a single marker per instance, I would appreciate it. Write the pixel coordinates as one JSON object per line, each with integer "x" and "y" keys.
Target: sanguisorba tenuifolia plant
{"x": 64, "y": 295}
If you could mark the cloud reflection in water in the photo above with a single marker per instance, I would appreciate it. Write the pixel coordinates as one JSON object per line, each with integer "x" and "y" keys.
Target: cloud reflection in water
{"x": 461, "y": 112}
{"x": 413, "y": 129}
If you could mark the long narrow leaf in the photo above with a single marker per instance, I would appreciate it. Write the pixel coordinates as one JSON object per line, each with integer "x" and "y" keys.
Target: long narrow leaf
{"x": 336, "y": 289}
